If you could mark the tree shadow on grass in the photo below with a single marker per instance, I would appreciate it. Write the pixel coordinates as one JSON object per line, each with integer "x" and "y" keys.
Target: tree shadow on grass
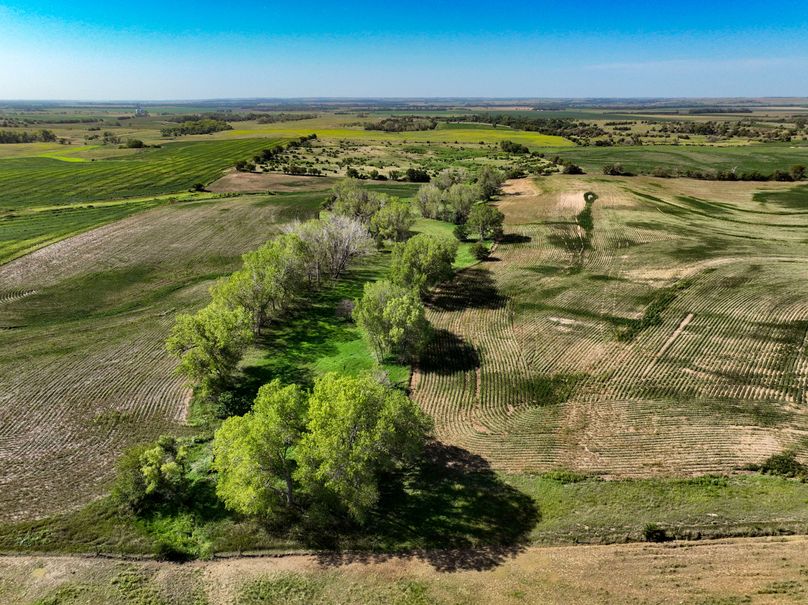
{"x": 515, "y": 238}
{"x": 453, "y": 511}
{"x": 473, "y": 288}
{"x": 448, "y": 354}
{"x": 306, "y": 334}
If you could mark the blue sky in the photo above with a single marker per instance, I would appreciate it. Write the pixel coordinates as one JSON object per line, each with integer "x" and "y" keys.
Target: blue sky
{"x": 184, "y": 50}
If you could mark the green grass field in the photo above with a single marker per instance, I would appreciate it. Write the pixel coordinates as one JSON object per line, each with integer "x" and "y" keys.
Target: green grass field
{"x": 37, "y": 181}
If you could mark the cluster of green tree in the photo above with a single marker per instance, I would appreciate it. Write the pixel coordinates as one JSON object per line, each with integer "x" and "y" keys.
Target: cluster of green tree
{"x": 284, "y": 117}
{"x": 454, "y": 197}
{"x": 403, "y": 124}
{"x": 390, "y": 313}
{"x": 795, "y": 173}
{"x": 274, "y": 278}
{"x": 274, "y": 156}
{"x": 317, "y": 453}
{"x": 511, "y": 147}
{"x": 40, "y": 136}
{"x": 574, "y": 130}
{"x": 205, "y": 126}
{"x": 726, "y": 129}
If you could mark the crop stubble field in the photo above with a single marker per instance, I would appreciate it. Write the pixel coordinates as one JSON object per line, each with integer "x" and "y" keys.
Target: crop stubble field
{"x": 82, "y": 329}
{"x": 670, "y": 340}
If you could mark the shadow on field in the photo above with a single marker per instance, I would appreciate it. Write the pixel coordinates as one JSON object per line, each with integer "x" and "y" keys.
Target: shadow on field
{"x": 453, "y": 512}
{"x": 473, "y": 288}
{"x": 515, "y": 238}
{"x": 448, "y": 354}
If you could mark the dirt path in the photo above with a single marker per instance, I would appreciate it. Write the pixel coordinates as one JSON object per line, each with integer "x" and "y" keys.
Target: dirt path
{"x": 757, "y": 571}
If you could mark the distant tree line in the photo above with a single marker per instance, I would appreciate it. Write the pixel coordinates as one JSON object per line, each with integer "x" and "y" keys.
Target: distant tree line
{"x": 708, "y": 110}
{"x": 795, "y": 173}
{"x": 403, "y": 124}
{"x": 745, "y": 129}
{"x": 571, "y": 129}
{"x": 204, "y": 126}
{"x": 40, "y": 136}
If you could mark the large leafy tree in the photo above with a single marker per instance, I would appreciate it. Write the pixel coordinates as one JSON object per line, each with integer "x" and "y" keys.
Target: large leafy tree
{"x": 392, "y": 320}
{"x": 268, "y": 281}
{"x": 349, "y": 199}
{"x": 329, "y": 245}
{"x": 357, "y": 430}
{"x": 423, "y": 261}
{"x": 334, "y": 444}
{"x": 209, "y": 345}
{"x": 255, "y": 453}
{"x": 486, "y": 220}
{"x": 459, "y": 200}
{"x": 393, "y": 220}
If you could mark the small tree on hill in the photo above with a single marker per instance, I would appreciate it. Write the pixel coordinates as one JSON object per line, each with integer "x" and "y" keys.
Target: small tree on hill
{"x": 151, "y": 475}
{"x": 487, "y": 221}
{"x": 489, "y": 180}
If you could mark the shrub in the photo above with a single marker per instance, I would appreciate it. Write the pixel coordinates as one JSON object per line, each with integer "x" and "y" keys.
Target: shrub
{"x": 572, "y": 169}
{"x": 783, "y": 465}
{"x": 654, "y": 533}
{"x": 417, "y": 175}
{"x": 480, "y": 251}
{"x": 461, "y": 232}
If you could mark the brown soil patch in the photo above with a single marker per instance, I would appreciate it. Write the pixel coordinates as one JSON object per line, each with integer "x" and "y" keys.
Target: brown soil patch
{"x": 259, "y": 182}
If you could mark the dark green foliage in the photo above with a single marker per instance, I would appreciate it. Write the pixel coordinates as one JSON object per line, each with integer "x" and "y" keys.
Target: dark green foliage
{"x": 615, "y": 170}
{"x": 480, "y": 251}
{"x": 245, "y": 166}
{"x": 784, "y": 464}
{"x": 653, "y": 312}
{"x": 151, "y": 475}
{"x": 461, "y": 232}
{"x": 12, "y": 136}
{"x": 204, "y": 126}
{"x": 511, "y": 147}
{"x": 416, "y": 175}
{"x": 403, "y": 124}
{"x": 654, "y": 533}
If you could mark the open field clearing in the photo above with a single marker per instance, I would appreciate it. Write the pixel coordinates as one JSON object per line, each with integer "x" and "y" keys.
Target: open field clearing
{"x": 334, "y": 127}
{"x": 667, "y": 339}
{"x": 749, "y": 571}
{"x": 37, "y": 181}
{"x": 253, "y": 182}
{"x": 84, "y": 323}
